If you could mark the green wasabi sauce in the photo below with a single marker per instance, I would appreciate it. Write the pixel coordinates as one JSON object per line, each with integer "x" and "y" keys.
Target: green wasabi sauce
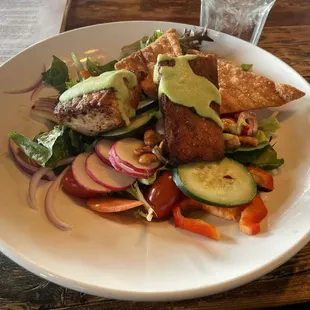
{"x": 182, "y": 86}
{"x": 111, "y": 79}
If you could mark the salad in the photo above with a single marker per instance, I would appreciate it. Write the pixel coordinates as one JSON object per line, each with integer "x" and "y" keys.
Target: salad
{"x": 163, "y": 129}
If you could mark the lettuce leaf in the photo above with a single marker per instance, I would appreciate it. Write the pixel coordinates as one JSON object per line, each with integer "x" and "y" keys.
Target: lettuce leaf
{"x": 96, "y": 70}
{"x": 263, "y": 141}
{"x": 136, "y": 193}
{"x": 139, "y": 44}
{"x": 57, "y": 75}
{"x": 269, "y": 126}
{"x": 153, "y": 178}
{"x": 265, "y": 158}
{"x": 47, "y": 148}
{"x": 157, "y": 34}
{"x": 268, "y": 160}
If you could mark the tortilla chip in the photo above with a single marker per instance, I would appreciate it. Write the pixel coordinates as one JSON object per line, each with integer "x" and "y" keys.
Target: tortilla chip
{"x": 242, "y": 91}
{"x": 145, "y": 59}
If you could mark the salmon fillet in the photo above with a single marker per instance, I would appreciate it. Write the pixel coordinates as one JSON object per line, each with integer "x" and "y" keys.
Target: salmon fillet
{"x": 96, "y": 112}
{"x": 189, "y": 136}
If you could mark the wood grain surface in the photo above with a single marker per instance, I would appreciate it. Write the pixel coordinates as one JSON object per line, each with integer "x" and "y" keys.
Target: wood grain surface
{"x": 286, "y": 35}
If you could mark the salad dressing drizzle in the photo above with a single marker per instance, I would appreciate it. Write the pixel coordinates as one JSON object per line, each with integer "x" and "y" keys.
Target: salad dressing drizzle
{"x": 182, "y": 86}
{"x": 111, "y": 79}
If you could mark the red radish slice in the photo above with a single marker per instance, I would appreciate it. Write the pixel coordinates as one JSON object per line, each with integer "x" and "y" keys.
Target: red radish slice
{"x": 82, "y": 178}
{"x": 127, "y": 170}
{"x": 106, "y": 175}
{"x": 112, "y": 204}
{"x": 123, "y": 151}
{"x": 102, "y": 150}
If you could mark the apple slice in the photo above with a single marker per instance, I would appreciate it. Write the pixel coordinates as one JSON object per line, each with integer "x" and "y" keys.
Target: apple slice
{"x": 102, "y": 150}
{"x": 107, "y": 176}
{"x": 82, "y": 178}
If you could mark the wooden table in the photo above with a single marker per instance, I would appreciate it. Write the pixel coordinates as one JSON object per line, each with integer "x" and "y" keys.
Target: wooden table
{"x": 286, "y": 35}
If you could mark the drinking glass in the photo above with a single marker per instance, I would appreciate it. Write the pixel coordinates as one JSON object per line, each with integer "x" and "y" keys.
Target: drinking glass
{"x": 244, "y": 19}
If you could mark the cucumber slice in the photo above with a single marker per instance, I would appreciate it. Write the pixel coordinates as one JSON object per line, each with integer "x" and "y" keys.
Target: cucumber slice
{"x": 146, "y": 105}
{"x": 225, "y": 183}
{"x": 137, "y": 124}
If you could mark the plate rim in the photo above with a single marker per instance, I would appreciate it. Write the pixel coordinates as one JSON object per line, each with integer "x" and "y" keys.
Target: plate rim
{"x": 172, "y": 295}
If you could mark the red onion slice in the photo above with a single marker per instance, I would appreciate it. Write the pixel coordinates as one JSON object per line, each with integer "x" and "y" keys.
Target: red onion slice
{"x": 49, "y": 203}
{"x": 34, "y": 181}
{"x": 37, "y": 90}
{"x": 45, "y": 115}
{"x": 43, "y": 109}
{"x": 250, "y": 118}
{"x": 33, "y": 184}
{"x": 35, "y": 85}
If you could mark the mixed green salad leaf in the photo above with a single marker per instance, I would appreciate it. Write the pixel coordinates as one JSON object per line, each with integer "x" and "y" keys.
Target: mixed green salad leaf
{"x": 48, "y": 148}
{"x": 263, "y": 155}
{"x": 57, "y": 75}
{"x": 96, "y": 70}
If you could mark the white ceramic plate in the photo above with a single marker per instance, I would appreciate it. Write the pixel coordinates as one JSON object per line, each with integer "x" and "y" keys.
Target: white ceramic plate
{"x": 120, "y": 257}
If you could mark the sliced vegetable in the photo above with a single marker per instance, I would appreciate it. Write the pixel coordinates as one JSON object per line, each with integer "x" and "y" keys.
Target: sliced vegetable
{"x": 83, "y": 179}
{"x": 250, "y": 121}
{"x": 137, "y": 124}
{"x": 102, "y": 150}
{"x": 49, "y": 203}
{"x": 196, "y": 226}
{"x": 263, "y": 179}
{"x": 226, "y": 183}
{"x": 72, "y": 187}
{"x": 28, "y": 89}
{"x": 85, "y": 74}
{"x": 230, "y": 214}
{"x": 252, "y": 215}
{"x": 106, "y": 175}
{"x": 125, "y": 169}
{"x": 123, "y": 152}
{"x": 112, "y": 204}
{"x": 146, "y": 105}
{"x": 34, "y": 181}
{"x": 79, "y": 66}
{"x": 163, "y": 195}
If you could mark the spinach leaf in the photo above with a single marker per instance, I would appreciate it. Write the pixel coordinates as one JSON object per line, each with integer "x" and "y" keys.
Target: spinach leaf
{"x": 96, "y": 70}
{"x": 57, "y": 75}
{"x": 265, "y": 158}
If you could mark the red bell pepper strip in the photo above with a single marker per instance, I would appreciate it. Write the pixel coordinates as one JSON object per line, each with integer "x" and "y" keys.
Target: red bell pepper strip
{"x": 112, "y": 204}
{"x": 263, "y": 179}
{"x": 252, "y": 215}
{"x": 196, "y": 226}
{"x": 85, "y": 74}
